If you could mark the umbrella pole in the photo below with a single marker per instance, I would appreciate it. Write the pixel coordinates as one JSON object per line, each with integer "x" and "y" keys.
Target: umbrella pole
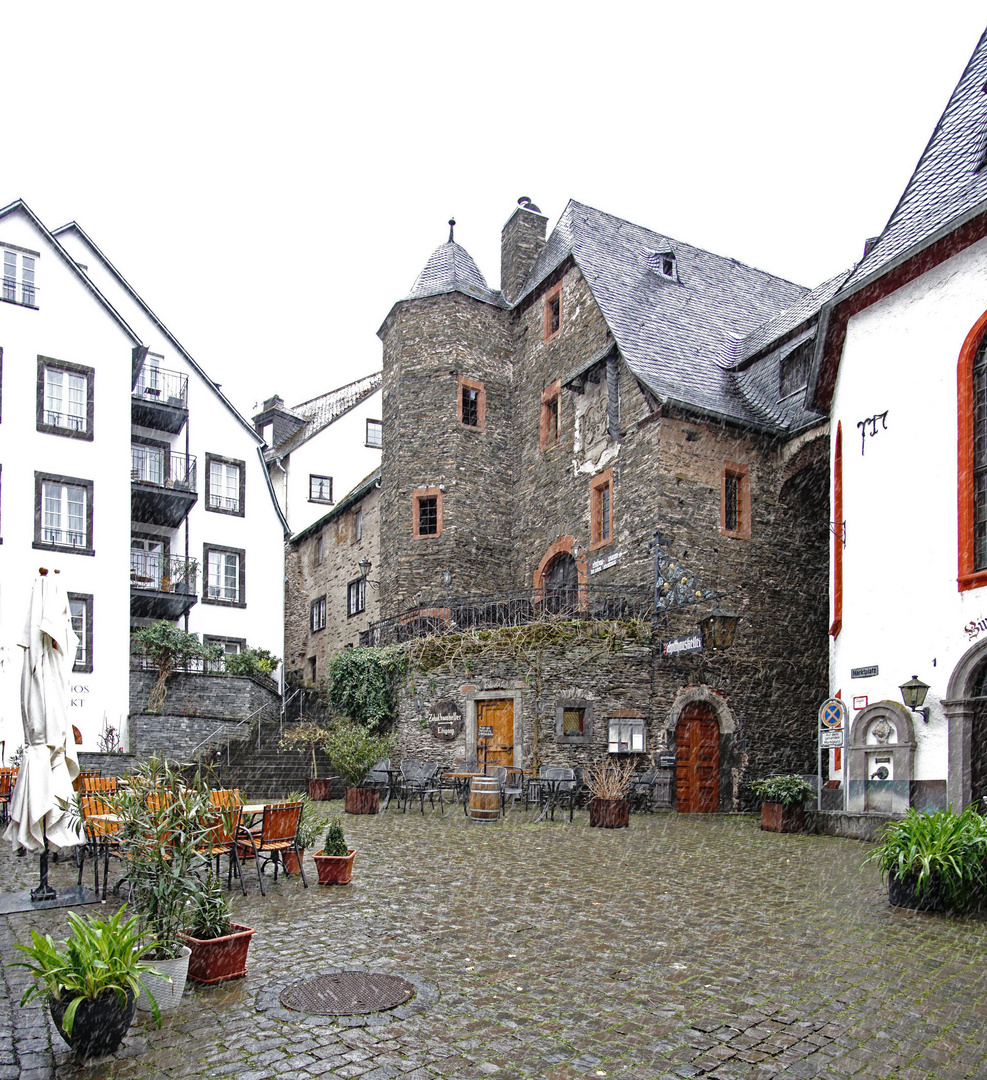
{"x": 44, "y": 891}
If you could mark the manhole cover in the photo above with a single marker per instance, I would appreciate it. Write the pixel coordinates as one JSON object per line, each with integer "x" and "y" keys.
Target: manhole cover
{"x": 347, "y": 993}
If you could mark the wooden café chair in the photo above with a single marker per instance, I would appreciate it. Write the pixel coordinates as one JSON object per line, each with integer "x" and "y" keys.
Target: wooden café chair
{"x": 278, "y": 833}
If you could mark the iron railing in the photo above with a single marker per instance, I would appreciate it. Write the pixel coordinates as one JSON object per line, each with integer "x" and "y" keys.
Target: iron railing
{"x": 517, "y": 608}
{"x": 162, "y": 468}
{"x": 158, "y": 572}
{"x": 162, "y": 387}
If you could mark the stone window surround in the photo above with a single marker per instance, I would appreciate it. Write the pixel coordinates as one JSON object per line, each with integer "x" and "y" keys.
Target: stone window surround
{"x": 601, "y": 482}
{"x": 734, "y": 470}
{"x": 968, "y": 576}
{"x": 629, "y": 718}
{"x": 47, "y": 362}
{"x": 42, "y": 478}
{"x": 241, "y": 601}
{"x": 317, "y": 614}
{"x": 553, "y": 294}
{"x": 416, "y": 496}
{"x": 85, "y": 599}
{"x": 464, "y": 383}
{"x": 242, "y": 492}
{"x": 552, "y": 394}
{"x": 586, "y": 705}
{"x": 469, "y": 725}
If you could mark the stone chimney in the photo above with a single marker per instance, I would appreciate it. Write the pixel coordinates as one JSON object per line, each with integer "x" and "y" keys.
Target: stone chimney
{"x": 521, "y": 241}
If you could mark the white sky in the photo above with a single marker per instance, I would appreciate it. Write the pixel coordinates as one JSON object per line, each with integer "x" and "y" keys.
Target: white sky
{"x": 271, "y": 178}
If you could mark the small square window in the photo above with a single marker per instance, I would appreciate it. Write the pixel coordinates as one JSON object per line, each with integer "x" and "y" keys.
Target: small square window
{"x": 65, "y": 399}
{"x": 319, "y": 489}
{"x": 574, "y": 722}
{"x": 553, "y": 311}
{"x": 601, "y": 509}
{"x": 427, "y": 513}
{"x": 375, "y": 434}
{"x": 627, "y": 736}
{"x": 318, "y": 614}
{"x": 356, "y": 596}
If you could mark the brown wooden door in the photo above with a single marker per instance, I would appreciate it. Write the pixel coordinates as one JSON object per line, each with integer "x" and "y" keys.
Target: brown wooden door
{"x": 498, "y": 715}
{"x": 697, "y": 762}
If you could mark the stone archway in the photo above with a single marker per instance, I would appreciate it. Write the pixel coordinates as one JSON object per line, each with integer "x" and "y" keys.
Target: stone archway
{"x": 565, "y": 552}
{"x": 700, "y": 729}
{"x": 962, "y": 704}
{"x": 879, "y": 759}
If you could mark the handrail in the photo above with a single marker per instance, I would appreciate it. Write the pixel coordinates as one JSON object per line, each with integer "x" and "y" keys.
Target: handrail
{"x": 229, "y": 734}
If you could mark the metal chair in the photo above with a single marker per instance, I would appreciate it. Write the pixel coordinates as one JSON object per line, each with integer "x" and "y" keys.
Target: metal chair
{"x": 278, "y": 833}
{"x": 102, "y": 837}
{"x": 419, "y": 781}
{"x": 553, "y": 786}
{"x": 222, "y": 838}
{"x": 380, "y": 777}
{"x": 642, "y": 793}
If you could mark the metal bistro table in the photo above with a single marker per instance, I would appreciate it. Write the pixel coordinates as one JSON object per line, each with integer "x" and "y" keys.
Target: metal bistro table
{"x": 392, "y": 787}
{"x": 461, "y": 787}
{"x": 552, "y": 792}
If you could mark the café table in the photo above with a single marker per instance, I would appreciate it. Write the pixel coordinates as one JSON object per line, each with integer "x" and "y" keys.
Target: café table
{"x": 460, "y": 785}
{"x": 553, "y": 790}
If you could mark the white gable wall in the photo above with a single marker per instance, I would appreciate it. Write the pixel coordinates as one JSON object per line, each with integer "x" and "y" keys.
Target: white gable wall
{"x": 902, "y": 610}
{"x": 71, "y": 325}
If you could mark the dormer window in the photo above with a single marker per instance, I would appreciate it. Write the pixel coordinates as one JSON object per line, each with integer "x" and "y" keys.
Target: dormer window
{"x": 663, "y": 264}
{"x": 793, "y": 374}
{"x": 18, "y": 276}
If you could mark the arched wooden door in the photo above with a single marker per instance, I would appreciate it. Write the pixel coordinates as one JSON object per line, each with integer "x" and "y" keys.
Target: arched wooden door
{"x": 562, "y": 585}
{"x": 697, "y": 761}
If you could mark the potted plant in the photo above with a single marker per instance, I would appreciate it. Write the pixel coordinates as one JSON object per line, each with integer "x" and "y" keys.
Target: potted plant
{"x": 935, "y": 862}
{"x": 218, "y": 945}
{"x": 609, "y": 785}
{"x": 309, "y": 736}
{"x": 166, "y": 823}
{"x": 354, "y": 750}
{"x": 309, "y": 832}
{"x": 334, "y": 862}
{"x": 91, "y": 980}
{"x": 782, "y": 802}
{"x": 166, "y": 647}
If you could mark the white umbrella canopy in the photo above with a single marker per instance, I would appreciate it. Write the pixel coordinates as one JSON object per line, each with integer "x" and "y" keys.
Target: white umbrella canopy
{"x": 49, "y": 764}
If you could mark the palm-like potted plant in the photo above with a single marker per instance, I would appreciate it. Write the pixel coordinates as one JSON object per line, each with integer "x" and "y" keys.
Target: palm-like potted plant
{"x": 782, "y": 801}
{"x": 354, "y": 750}
{"x": 334, "y": 862}
{"x": 91, "y": 980}
{"x": 609, "y": 785}
{"x": 935, "y": 862}
{"x": 218, "y": 945}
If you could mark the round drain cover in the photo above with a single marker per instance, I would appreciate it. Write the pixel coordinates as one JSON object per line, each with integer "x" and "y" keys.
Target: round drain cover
{"x": 347, "y": 993}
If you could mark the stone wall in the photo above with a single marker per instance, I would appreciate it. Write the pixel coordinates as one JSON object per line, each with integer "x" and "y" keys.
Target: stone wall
{"x": 306, "y": 579}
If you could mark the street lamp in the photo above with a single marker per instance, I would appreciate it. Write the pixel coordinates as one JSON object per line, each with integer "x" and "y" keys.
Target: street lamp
{"x": 913, "y": 695}
{"x": 718, "y": 629}
{"x": 365, "y": 566}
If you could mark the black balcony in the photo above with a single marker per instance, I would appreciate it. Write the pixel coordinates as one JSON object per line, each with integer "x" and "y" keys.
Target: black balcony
{"x": 455, "y": 615}
{"x": 162, "y": 485}
{"x": 160, "y": 400}
{"x": 162, "y": 586}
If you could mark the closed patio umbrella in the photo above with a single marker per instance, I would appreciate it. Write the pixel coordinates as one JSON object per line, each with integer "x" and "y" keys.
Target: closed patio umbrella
{"x": 38, "y": 802}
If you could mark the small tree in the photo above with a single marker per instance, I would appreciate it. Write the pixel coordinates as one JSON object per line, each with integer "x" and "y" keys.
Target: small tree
{"x": 166, "y": 647}
{"x": 305, "y": 736}
{"x": 354, "y": 750}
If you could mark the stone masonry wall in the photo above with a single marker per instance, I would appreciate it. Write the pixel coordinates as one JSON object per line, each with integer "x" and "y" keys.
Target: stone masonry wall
{"x": 307, "y": 579}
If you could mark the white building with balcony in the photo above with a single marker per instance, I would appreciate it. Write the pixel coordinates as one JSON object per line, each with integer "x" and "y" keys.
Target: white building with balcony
{"x": 124, "y": 468}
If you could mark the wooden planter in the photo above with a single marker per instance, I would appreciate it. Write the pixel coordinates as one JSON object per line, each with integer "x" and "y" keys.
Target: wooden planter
{"x": 776, "y": 817}
{"x": 334, "y": 869}
{"x": 361, "y": 800}
{"x": 100, "y": 1024}
{"x": 215, "y": 960}
{"x": 609, "y": 813}
{"x": 320, "y": 790}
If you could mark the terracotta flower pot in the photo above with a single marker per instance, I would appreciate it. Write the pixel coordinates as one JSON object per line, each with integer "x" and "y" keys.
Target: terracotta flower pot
{"x": 320, "y": 790}
{"x": 361, "y": 800}
{"x": 609, "y": 813}
{"x": 100, "y": 1024}
{"x": 292, "y": 862}
{"x": 777, "y": 817}
{"x": 334, "y": 869}
{"x": 214, "y": 960}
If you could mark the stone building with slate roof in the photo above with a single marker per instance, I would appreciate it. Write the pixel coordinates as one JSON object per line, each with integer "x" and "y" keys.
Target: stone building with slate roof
{"x": 626, "y": 417}
{"x": 900, "y": 365}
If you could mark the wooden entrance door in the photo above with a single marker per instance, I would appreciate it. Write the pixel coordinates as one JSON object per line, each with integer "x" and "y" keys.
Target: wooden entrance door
{"x": 697, "y": 761}
{"x": 498, "y": 715}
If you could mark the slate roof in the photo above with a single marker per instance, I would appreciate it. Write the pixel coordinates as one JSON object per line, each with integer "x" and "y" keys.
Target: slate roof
{"x": 677, "y": 336}
{"x": 319, "y": 412}
{"x": 451, "y": 269}
{"x": 948, "y": 183}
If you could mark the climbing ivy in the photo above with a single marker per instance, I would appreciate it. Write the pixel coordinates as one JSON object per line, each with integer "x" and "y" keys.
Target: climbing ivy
{"x": 362, "y": 684}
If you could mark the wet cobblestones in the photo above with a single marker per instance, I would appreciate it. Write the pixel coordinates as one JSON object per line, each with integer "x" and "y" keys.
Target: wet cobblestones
{"x": 685, "y": 946}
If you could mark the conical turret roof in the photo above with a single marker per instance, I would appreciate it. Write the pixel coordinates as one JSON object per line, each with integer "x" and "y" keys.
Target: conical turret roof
{"x": 451, "y": 269}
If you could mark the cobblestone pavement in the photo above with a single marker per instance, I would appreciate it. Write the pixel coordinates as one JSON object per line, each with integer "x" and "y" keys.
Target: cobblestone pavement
{"x": 684, "y": 946}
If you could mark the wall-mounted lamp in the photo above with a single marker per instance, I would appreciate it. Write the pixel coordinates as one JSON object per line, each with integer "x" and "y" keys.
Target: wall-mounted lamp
{"x": 718, "y": 629}
{"x": 913, "y": 695}
{"x": 365, "y": 566}
{"x": 447, "y": 578}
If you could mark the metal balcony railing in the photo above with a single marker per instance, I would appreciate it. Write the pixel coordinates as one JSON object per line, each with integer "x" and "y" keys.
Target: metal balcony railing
{"x": 159, "y": 386}
{"x": 28, "y": 292}
{"x": 518, "y": 608}
{"x": 162, "y": 468}
{"x": 158, "y": 572}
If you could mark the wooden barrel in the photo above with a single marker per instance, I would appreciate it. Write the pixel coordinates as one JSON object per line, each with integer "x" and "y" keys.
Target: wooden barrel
{"x": 485, "y": 798}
